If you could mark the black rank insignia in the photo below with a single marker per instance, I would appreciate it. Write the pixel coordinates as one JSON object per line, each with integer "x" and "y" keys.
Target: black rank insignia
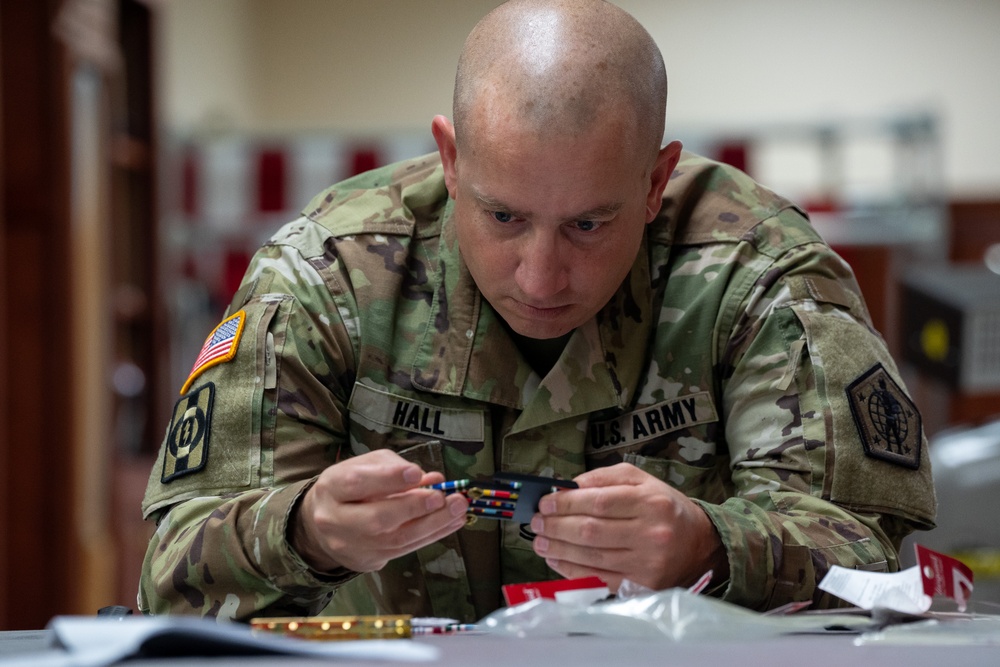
{"x": 187, "y": 442}
{"x": 886, "y": 418}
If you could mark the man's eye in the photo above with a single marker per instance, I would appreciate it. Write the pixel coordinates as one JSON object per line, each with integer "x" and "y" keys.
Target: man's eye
{"x": 501, "y": 216}
{"x": 587, "y": 225}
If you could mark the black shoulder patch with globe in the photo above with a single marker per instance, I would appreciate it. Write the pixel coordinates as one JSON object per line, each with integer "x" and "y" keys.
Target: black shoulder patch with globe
{"x": 887, "y": 419}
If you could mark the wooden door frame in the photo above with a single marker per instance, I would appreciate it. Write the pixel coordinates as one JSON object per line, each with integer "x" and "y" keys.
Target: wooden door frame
{"x": 37, "y": 546}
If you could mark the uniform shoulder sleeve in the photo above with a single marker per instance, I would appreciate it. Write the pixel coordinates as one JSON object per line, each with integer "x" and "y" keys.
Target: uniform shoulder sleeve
{"x": 248, "y": 436}
{"x": 710, "y": 202}
{"x": 829, "y": 462}
{"x": 403, "y": 198}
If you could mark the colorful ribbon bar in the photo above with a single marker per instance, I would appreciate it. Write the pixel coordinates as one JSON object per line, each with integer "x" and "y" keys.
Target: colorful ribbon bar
{"x": 499, "y": 498}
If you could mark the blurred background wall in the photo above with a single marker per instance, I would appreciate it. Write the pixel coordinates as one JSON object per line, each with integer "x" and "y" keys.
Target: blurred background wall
{"x": 149, "y": 146}
{"x": 264, "y": 66}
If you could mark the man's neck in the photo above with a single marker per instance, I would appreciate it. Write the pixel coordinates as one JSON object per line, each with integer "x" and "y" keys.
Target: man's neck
{"x": 541, "y": 354}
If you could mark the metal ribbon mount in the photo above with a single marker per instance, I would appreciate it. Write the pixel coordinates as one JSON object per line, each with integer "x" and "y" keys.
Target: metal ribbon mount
{"x": 508, "y": 497}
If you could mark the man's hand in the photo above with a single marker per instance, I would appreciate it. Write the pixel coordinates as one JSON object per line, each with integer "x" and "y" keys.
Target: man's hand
{"x": 369, "y": 509}
{"x": 623, "y": 523}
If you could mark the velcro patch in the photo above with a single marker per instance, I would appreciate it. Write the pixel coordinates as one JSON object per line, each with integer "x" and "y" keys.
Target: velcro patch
{"x": 887, "y": 420}
{"x": 219, "y": 347}
{"x": 377, "y": 408}
{"x": 186, "y": 449}
{"x": 652, "y": 422}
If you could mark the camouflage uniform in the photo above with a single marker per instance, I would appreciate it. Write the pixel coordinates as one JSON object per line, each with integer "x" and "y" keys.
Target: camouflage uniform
{"x": 737, "y": 362}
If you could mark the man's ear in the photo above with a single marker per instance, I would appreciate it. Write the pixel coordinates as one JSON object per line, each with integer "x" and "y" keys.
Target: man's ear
{"x": 444, "y": 136}
{"x": 663, "y": 167}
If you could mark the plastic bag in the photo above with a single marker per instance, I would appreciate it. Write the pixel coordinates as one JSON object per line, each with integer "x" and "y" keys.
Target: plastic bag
{"x": 675, "y": 614}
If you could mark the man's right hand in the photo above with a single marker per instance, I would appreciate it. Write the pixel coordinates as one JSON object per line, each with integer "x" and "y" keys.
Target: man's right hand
{"x": 369, "y": 509}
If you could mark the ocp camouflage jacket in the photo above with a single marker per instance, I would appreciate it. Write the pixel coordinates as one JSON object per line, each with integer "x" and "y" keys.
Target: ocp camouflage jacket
{"x": 737, "y": 362}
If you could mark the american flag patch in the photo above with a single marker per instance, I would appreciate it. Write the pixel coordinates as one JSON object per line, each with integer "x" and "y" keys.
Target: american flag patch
{"x": 219, "y": 347}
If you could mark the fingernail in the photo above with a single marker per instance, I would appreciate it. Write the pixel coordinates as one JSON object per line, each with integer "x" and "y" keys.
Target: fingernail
{"x": 537, "y": 525}
{"x": 547, "y": 506}
{"x": 541, "y": 545}
{"x": 412, "y": 475}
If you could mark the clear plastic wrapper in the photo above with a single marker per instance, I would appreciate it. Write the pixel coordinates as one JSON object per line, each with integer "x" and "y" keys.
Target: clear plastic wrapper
{"x": 675, "y": 614}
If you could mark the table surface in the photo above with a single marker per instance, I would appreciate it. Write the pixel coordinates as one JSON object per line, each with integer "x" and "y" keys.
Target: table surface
{"x": 480, "y": 650}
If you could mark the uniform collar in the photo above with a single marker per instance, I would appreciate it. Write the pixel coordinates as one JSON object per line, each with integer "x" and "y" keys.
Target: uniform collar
{"x": 465, "y": 349}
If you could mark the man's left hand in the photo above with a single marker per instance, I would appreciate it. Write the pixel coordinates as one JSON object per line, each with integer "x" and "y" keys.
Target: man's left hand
{"x": 623, "y": 523}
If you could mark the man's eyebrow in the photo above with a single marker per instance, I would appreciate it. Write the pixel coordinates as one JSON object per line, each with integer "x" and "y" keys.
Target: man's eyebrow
{"x": 605, "y": 211}
{"x": 491, "y": 204}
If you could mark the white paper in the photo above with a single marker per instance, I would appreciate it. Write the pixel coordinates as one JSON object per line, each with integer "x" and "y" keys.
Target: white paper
{"x": 582, "y": 596}
{"x": 93, "y": 642}
{"x": 899, "y": 591}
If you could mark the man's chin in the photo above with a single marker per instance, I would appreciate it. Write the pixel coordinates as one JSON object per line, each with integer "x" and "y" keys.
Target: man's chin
{"x": 540, "y": 330}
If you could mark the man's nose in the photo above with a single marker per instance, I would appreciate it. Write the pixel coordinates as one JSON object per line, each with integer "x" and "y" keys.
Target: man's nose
{"x": 542, "y": 272}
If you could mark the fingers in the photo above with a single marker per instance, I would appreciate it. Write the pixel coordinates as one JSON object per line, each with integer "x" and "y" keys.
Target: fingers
{"x": 364, "y": 536}
{"x": 377, "y": 546}
{"x": 383, "y": 515}
{"x": 611, "y": 502}
{"x": 371, "y": 508}
{"x": 612, "y": 549}
{"x": 391, "y": 517}
{"x": 617, "y": 492}
{"x": 431, "y": 478}
{"x": 622, "y": 473}
{"x": 433, "y": 527}
{"x": 588, "y": 531}
{"x": 371, "y": 475}
{"x": 622, "y": 523}
{"x": 613, "y": 559}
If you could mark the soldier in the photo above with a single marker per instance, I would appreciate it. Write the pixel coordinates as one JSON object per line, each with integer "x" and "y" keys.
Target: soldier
{"x": 552, "y": 293}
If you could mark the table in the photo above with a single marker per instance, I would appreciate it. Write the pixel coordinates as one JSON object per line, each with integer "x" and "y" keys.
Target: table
{"x": 476, "y": 650}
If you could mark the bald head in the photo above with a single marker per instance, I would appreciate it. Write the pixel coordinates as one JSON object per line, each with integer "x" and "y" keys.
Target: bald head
{"x": 559, "y": 67}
